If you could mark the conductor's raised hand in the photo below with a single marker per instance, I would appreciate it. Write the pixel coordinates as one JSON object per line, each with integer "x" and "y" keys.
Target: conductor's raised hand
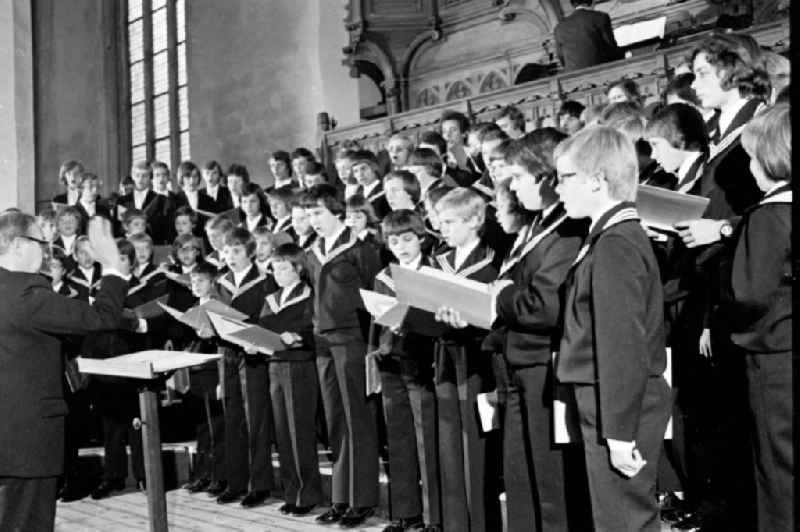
{"x": 103, "y": 246}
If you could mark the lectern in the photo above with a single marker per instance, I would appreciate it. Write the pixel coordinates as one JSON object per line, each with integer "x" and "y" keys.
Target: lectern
{"x": 148, "y": 367}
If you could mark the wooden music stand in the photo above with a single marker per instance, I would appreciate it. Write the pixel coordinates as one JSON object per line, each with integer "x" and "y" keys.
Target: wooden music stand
{"x": 150, "y": 368}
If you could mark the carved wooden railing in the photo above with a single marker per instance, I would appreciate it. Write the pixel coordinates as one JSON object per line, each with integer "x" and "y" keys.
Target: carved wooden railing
{"x": 540, "y": 99}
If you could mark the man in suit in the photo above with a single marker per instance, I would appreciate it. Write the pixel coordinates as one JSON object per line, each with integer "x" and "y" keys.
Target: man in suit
{"x": 31, "y": 366}
{"x": 585, "y": 38}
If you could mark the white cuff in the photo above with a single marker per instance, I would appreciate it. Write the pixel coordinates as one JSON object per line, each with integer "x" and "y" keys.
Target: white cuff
{"x": 619, "y": 445}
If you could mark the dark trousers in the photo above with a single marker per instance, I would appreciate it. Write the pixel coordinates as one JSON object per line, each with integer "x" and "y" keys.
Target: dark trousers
{"x": 210, "y": 433}
{"x": 469, "y": 490}
{"x": 533, "y": 467}
{"x": 422, "y": 399}
{"x": 117, "y": 402}
{"x": 27, "y": 504}
{"x": 620, "y": 503}
{"x": 401, "y": 432}
{"x": 769, "y": 380}
{"x": 350, "y": 418}
{"x": 294, "y": 391}
{"x": 248, "y": 423}
{"x": 77, "y": 427}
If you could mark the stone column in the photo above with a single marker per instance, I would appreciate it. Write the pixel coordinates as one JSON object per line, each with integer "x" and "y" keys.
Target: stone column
{"x": 17, "y": 154}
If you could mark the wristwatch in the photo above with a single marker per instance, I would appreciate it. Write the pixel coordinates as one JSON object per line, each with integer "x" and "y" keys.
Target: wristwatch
{"x": 726, "y": 229}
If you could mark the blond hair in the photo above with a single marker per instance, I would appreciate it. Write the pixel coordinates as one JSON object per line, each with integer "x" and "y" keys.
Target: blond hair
{"x": 465, "y": 201}
{"x": 604, "y": 150}
{"x": 767, "y": 138}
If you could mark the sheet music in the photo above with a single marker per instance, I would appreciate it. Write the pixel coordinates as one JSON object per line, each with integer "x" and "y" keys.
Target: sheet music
{"x": 640, "y": 31}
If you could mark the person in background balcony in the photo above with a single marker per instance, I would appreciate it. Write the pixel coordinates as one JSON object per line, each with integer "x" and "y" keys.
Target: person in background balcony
{"x": 585, "y": 38}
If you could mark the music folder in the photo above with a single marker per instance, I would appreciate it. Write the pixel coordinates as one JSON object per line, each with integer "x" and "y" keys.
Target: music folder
{"x": 388, "y": 312}
{"x": 246, "y": 334}
{"x": 144, "y": 364}
{"x": 430, "y": 289}
{"x": 661, "y": 208}
{"x": 197, "y": 316}
{"x": 151, "y": 309}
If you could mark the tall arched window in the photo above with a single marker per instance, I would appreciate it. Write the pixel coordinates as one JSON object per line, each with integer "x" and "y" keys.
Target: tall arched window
{"x": 158, "y": 107}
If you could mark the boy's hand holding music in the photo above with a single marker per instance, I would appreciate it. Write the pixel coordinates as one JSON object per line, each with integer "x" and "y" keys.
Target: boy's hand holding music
{"x": 251, "y": 349}
{"x": 696, "y": 233}
{"x": 625, "y": 457}
{"x": 103, "y": 246}
{"x": 290, "y": 338}
{"x": 450, "y": 317}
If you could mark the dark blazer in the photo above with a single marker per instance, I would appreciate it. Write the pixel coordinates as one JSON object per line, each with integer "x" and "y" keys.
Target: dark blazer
{"x": 530, "y": 308}
{"x": 157, "y": 209}
{"x": 337, "y": 278}
{"x": 32, "y": 403}
{"x": 760, "y": 313}
{"x": 377, "y": 198}
{"x": 294, "y": 315}
{"x": 613, "y": 327}
{"x": 86, "y": 287}
{"x": 209, "y": 204}
{"x": 100, "y": 209}
{"x": 249, "y": 296}
{"x": 585, "y": 38}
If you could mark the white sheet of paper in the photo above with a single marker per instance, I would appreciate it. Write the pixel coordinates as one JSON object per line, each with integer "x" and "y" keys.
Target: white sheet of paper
{"x": 377, "y": 304}
{"x": 488, "y": 413}
{"x": 640, "y": 31}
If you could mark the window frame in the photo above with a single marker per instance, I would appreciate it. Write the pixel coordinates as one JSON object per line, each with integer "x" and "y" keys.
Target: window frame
{"x": 173, "y": 87}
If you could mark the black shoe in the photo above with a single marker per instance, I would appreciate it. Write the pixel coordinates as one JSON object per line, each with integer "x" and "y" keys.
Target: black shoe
{"x": 229, "y": 496}
{"x": 302, "y": 510}
{"x": 333, "y": 515}
{"x": 69, "y": 494}
{"x": 201, "y": 484}
{"x": 356, "y": 516}
{"x": 401, "y": 525}
{"x": 255, "y": 498}
{"x": 287, "y": 508}
{"x": 216, "y": 488}
{"x": 105, "y": 488}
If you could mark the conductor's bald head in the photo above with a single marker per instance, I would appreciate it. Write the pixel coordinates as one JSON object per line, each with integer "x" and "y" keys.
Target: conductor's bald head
{"x": 22, "y": 248}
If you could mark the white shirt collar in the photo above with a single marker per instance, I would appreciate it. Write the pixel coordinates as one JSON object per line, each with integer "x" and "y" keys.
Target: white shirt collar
{"x": 87, "y": 272}
{"x": 414, "y": 264}
{"x": 252, "y": 223}
{"x": 687, "y": 163}
{"x": 333, "y": 238}
{"x": 68, "y": 241}
{"x": 235, "y": 200}
{"x": 288, "y": 182}
{"x": 239, "y": 276}
{"x": 727, "y": 115}
{"x": 212, "y": 191}
{"x": 138, "y": 198}
{"x": 140, "y": 269}
{"x": 288, "y": 290}
{"x": 188, "y": 269}
{"x": 57, "y": 286}
{"x": 370, "y": 188}
{"x": 463, "y": 252}
{"x": 280, "y": 221}
{"x": 202, "y": 300}
{"x": 546, "y": 212}
{"x": 191, "y": 197}
{"x": 73, "y": 196}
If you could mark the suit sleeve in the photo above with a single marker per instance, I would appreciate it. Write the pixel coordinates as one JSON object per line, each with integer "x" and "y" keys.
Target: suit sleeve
{"x": 535, "y": 307}
{"x": 49, "y": 312}
{"x": 619, "y": 275}
{"x": 608, "y": 32}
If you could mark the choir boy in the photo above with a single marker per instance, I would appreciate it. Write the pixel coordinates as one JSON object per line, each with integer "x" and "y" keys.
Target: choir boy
{"x": 266, "y": 242}
{"x": 209, "y": 472}
{"x": 156, "y": 208}
{"x": 216, "y": 229}
{"x": 339, "y": 265}
{"x": 190, "y": 194}
{"x": 89, "y": 203}
{"x": 293, "y": 380}
{"x": 216, "y": 196}
{"x": 253, "y": 208}
{"x": 529, "y": 309}
{"x": 280, "y": 166}
{"x": 57, "y": 268}
{"x": 280, "y": 201}
{"x": 399, "y": 148}
{"x": 134, "y": 222}
{"x": 248, "y": 414}
{"x": 427, "y": 167}
{"x": 301, "y": 230}
{"x": 301, "y": 158}
{"x": 409, "y": 401}
{"x": 462, "y": 372}
{"x": 116, "y": 398}
{"x": 761, "y": 313}
{"x": 161, "y": 180}
{"x": 69, "y": 175}
{"x": 86, "y": 274}
{"x": 612, "y": 352}
{"x": 185, "y": 221}
{"x": 68, "y": 223}
{"x": 402, "y": 190}
{"x": 366, "y": 173}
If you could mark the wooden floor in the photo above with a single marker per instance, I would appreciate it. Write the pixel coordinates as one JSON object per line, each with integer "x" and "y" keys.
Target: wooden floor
{"x": 128, "y": 512}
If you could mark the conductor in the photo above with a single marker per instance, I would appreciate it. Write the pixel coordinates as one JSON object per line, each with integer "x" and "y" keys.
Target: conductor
{"x": 32, "y": 407}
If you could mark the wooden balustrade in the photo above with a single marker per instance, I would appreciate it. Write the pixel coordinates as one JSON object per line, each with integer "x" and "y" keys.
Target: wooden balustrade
{"x": 541, "y": 98}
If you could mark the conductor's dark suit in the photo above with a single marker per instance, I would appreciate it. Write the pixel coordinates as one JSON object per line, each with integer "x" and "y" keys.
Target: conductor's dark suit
{"x": 585, "y": 39}
{"x": 32, "y": 403}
